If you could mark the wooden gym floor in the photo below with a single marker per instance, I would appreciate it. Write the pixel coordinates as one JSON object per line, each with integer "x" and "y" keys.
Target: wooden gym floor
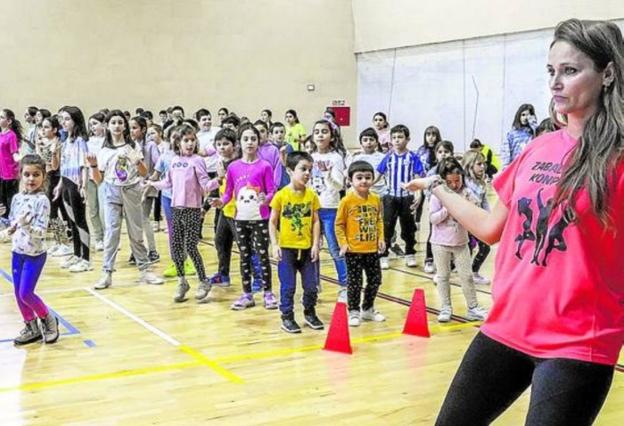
{"x": 129, "y": 355}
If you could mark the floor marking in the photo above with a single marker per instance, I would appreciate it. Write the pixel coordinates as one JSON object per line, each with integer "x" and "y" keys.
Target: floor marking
{"x": 99, "y": 377}
{"x": 135, "y": 318}
{"x": 204, "y": 360}
{"x": 89, "y": 343}
{"x": 187, "y": 350}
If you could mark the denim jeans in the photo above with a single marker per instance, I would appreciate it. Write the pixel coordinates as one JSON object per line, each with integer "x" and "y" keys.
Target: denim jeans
{"x": 293, "y": 261}
{"x": 328, "y": 221}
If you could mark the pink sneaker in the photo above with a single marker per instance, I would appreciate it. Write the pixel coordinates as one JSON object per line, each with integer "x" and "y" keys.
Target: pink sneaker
{"x": 270, "y": 302}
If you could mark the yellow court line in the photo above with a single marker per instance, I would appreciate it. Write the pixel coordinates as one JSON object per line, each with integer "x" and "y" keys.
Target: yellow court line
{"x": 204, "y": 360}
{"x": 99, "y": 377}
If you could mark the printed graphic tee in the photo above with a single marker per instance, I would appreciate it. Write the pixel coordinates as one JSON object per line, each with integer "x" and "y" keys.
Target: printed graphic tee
{"x": 296, "y": 211}
{"x": 558, "y": 288}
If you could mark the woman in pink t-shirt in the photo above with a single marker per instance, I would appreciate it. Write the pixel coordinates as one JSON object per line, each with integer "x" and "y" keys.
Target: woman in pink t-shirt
{"x": 10, "y": 135}
{"x": 557, "y": 322}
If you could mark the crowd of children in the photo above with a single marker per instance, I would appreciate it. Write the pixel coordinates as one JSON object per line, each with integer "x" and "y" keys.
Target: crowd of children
{"x": 275, "y": 190}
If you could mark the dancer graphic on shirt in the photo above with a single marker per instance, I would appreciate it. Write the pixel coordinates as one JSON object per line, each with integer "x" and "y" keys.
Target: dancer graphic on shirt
{"x": 527, "y": 234}
{"x": 555, "y": 235}
{"x": 542, "y": 225}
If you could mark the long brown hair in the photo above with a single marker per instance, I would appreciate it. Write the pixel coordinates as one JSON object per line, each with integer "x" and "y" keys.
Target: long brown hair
{"x": 592, "y": 165}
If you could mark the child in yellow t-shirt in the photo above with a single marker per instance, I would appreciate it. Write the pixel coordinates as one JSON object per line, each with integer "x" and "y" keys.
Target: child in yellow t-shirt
{"x": 295, "y": 213}
{"x": 359, "y": 230}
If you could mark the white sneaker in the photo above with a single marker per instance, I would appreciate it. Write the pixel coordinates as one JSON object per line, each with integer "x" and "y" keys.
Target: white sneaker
{"x": 71, "y": 261}
{"x": 53, "y": 249}
{"x": 372, "y": 315}
{"x": 385, "y": 264}
{"x": 99, "y": 245}
{"x": 435, "y": 279}
{"x": 410, "y": 260}
{"x": 480, "y": 279}
{"x": 104, "y": 282}
{"x": 342, "y": 295}
{"x": 155, "y": 226}
{"x": 148, "y": 277}
{"x": 63, "y": 250}
{"x": 81, "y": 266}
{"x": 445, "y": 314}
{"x": 477, "y": 313}
{"x": 354, "y": 318}
{"x": 429, "y": 268}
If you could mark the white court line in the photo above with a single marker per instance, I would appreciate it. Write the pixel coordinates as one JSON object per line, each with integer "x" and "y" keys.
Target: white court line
{"x": 135, "y": 318}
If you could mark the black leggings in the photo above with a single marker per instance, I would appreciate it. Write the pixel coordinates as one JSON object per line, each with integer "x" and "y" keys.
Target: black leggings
{"x": 492, "y": 376}
{"x": 252, "y": 236}
{"x": 76, "y": 212}
{"x": 481, "y": 255}
{"x": 184, "y": 239}
{"x": 224, "y": 239}
{"x": 356, "y": 264}
{"x": 57, "y": 205}
{"x": 8, "y": 189}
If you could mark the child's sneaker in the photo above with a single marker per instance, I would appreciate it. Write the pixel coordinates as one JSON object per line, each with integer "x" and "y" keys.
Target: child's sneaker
{"x": 372, "y": 315}
{"x": 429, "y": 268}
{"x": 148, "y": 277}
{"x": 445, "y": 314}
{"x": 256, "y": 285}
{"x": 99, "y": 245}
{"x": 104, "y": 282}
{"x": 81, "y": 266}
{"x": 181, "y": 290}
{"x": 220, "y": 280}
{"x": 189, "y": 268}
{"x": 171, "y": 271}
{"x": 477, "y": 313}
{"x": 396, "y": 249}
{"x": 342, "y": 295}
{"x": 289, "y": 324}
{"x": 49, "y": 328}
{"x": 410, "y": 260}
{"x": 72, "y": 260}
{"x": 354, "y": 318}
{"x": 31, "y": 333}
{"x": 201, "y": 295}
{"x": 312, "y": 320}
{"x": 385, "y": 264}
{"x": 435, "y": 279}
{"x": 62, "y": 250}
{"x": 270, "y": 302}
{"x": 479, "y": 279}
{"x": 244, "y": 301}
{"x": 153, "y": 256}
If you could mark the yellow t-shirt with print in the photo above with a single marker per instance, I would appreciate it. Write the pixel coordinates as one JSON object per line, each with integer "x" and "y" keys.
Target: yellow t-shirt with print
{"x": 295, "y": 211}
{"x": 359, "y": 222}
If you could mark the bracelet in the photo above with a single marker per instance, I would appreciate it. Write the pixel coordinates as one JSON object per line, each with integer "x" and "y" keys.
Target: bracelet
{"x": 93, "y": 167}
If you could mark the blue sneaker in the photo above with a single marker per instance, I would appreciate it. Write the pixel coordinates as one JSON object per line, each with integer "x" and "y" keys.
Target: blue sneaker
{"x": 220, "y": 280}
{"x": 257, "y": 285}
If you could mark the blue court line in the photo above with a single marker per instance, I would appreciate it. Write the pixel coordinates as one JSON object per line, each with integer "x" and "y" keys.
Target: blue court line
{"x": 70, "y": 328}
{"x": 89, "y": 343}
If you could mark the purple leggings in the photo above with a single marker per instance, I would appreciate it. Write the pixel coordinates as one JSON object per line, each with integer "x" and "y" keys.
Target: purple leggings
{"x": 166, "y": 205}
{"x": 26, "y": 272}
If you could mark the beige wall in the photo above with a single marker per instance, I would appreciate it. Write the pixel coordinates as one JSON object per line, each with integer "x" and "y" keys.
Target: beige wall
{"x": 384, "y": 24}
{"x": 243, "y": 54}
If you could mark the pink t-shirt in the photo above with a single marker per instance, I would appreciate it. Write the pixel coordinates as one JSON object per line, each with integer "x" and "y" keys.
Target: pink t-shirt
{"x": 245, "y": 182}
{"x": 9, "y": 168}
{"x": 188, "y": 178}
{"x": 559, "y": 286}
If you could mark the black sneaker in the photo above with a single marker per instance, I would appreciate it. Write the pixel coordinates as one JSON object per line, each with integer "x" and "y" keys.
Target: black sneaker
{"x": 132, "y": 260}
{"x": 153, "y": 256}
{"x": 289, "y": 325}
{"x": 313, "y": 322}
{"x": 396, "y": 249}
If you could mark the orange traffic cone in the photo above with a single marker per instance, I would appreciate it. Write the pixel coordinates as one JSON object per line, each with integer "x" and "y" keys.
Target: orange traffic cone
{"x": 338, "y": 336}
{"x": 416, "y": 322}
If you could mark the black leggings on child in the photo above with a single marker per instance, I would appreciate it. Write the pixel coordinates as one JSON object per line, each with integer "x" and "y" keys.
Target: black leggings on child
{"x": 184, "y": 240}
{"x": 252, "y": 236}
{"x": 77, "y": 215}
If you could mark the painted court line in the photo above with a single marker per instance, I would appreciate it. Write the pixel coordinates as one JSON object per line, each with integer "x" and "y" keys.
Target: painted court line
{"x": 187, "y": 350}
